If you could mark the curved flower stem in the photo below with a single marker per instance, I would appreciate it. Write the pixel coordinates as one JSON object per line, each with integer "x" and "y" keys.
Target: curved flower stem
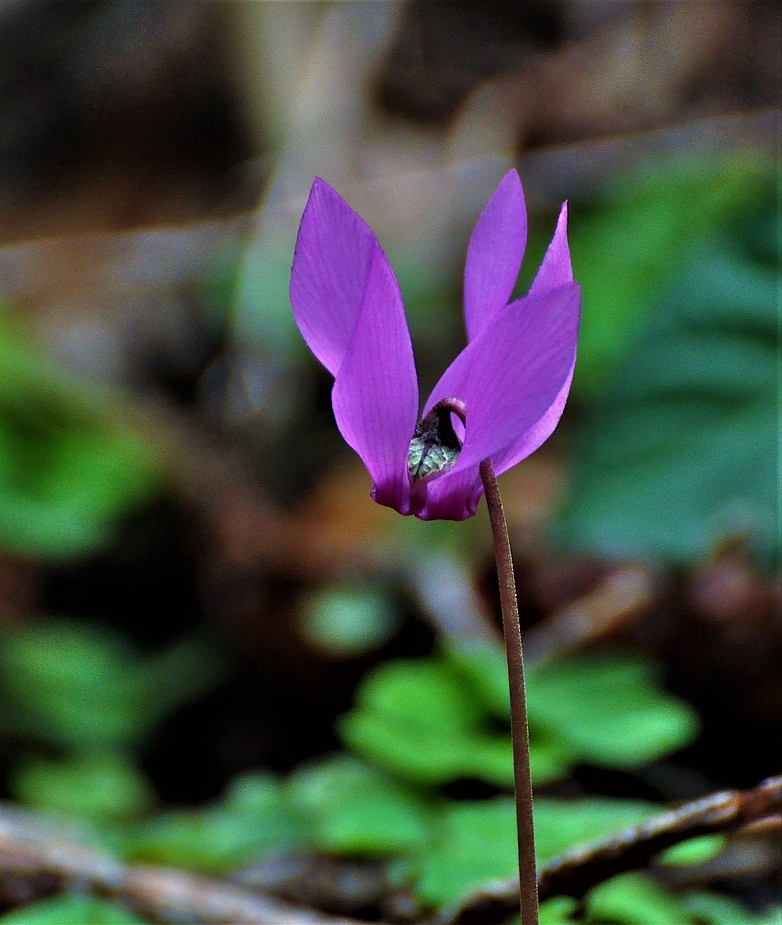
{"x": 528, "y": 885}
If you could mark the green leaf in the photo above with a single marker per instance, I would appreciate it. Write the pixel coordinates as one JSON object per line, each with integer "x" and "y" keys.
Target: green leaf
{"x": 71, "y": 910}
{"x": 427, "y": 691}
{"x": 485, "y": 667}
{"x": 345, "y": 621}
{"x": 682, "y": 454}
{"x": 69, "y": 683}
{"x": 421, "y": 720}
{"x": 410, "y": 751}
{"x": 634, "y": 899}
{"x": 693, "y": 851}
{"x": 474, "y": 843}
{"x": 716, "y": 909}
{"x": 608, "y": 710}
{"x": 562, "y": 824}
{"x": 82, "y": 686}
{"x": 70, "y": 462}
{"x": 558, "y": 911}
{"x": 252, "y": 819}
{"x": 638, "y": 236}
{"x": 354, "y": 808}
{"x": 428, "y": 720}
{"x": 99, "y": 786}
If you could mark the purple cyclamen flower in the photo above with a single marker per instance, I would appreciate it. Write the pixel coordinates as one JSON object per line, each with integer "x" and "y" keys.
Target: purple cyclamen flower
{"x": 509, "y": 385}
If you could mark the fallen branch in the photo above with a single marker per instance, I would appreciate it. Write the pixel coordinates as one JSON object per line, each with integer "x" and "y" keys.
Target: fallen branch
{"x": 577, "y": 871}
{"x": 29, "y": 847}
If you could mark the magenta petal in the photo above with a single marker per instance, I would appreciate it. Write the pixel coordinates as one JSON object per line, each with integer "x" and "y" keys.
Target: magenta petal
{"x": 495, "y": 254}
{"x": 334, "y": 250}
{"x": 512, "y": 374}
{"x": 375, "y": 395}
{"x": 537, "y": 435}
{"x": 453, "y": 496}
{"x": 555, "y": 270}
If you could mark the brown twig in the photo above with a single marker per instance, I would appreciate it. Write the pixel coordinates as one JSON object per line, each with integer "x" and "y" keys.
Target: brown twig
{"x": 574, "y": 873}
{"x": 29, "y": 847}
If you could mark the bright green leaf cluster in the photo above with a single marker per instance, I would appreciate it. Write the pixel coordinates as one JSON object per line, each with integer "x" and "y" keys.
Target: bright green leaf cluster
{"x": 355, "y": 808}
{"x": 608, "y": 709}
{"x": 418, "y": 719}
{"x": 473, "y": 843}
{"x": 433, "y": 721}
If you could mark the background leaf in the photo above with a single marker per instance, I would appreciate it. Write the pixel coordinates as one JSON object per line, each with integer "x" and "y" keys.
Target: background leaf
{"x": 682, "y": 453}
{"x": 71, "y": 910}
{"x": 634, "y": 899}
{"x": 99, "y": 786}
{"x": 68, "y": 465}
{"x": 474, "y": 843}
{"x": 83, "y": 686}
{"x": 354, "y": 808}
{"x": 608, "y": 709}
{"x": 638, "y": 235}
{"x": 419, "y": 719}
{"x": 252, "y": 819}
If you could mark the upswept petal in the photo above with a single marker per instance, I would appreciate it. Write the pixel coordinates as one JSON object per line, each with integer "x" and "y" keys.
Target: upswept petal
{"x": 334, "y": 250}
{"x": 555, "y": 269}
{"x": 495, "y": 254}
{"x": 513, "y": 372}
{"x": 537, "y": 435}
{"x": 375, "y": 394}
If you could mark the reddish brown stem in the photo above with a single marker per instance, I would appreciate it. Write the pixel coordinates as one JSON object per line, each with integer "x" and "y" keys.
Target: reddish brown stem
{"x": 528, "y": 884}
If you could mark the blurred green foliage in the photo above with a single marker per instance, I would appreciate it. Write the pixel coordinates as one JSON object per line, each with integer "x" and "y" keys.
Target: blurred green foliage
{"x": 716, "y": 909}
{"x": 636, "y": 899}
{"x": 345, "y": 620}
{"x": 82, "y": 686}
{"x": 355, "y": 808}
{"x": 693, "y": 851}
{"x": 71, "y": 909}
{"x": 85, "y": 693}
{"x": 421, "y": 720}
{"x": 425, "y": 722}
{"x": 681, "y": 454}
{"x": 100, "y": 786}
{"x": 70, "y": 461}
{"x": 640, "y": 233}
{"x": 416, "y": 725}
{"x": 252, "y": 819}
{"x": 474, "y": 842}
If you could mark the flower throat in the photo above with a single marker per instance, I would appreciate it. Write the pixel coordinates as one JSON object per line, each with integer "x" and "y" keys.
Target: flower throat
{"x": 435, "y": 446}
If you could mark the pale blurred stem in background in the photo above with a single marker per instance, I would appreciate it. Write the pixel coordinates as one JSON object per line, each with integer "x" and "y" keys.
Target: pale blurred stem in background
{"x": 528, "y": 883}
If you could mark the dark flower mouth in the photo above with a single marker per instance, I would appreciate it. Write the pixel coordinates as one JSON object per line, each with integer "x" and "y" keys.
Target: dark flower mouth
{"x": 435, "y": 446}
